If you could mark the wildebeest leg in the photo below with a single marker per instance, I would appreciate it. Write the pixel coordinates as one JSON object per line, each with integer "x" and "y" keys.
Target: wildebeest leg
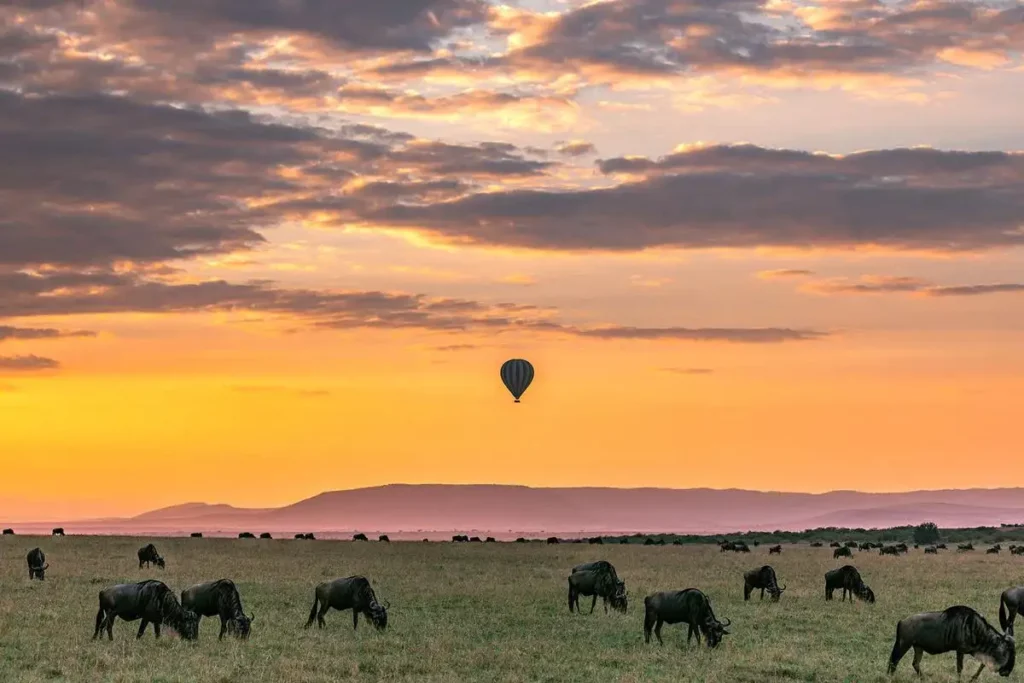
{"x": 762, "y": 593}
{"x": 657, "y": 631}
{"x": 689, "y": 634}
{"x": 959, "y": 663}
{"x": 918, "y": 653}
{"x": 593, "y": 603}
{"x": 648, "y": 624}
{"x": 223, "y": 627}
{"x": 142, "y": 628}
{"x": 156, "y": 628}
{"x": 571, "y": 596}
{"x": 978, "y": 673}
{"x": 747, "y": 590}
{"x": 355, "y": 618}
{"x": 898, "y": 650}
{"x": 320, "y": 615}
{"x": 110, "y": 624}
{"x": 99, "y": 623}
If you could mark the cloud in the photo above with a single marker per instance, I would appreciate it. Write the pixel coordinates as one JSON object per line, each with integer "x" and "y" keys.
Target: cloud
{"x": 868, "y": 284}
{"x": 975, "y": 290}
{"x": 456, "y": 347}
{"x": 7, "y": 332}
{"x": 766, "y": 335}
{"x": 689, "y": 371}
{"x": 27, "y": 363}
{"x": 575, "y": 148}
{"x": 784, "y": 273}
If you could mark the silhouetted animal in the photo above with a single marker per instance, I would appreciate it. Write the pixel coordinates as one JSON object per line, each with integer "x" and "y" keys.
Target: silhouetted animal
{"x": 941, "y": 546}
{"x": 848, "y": 579}
{"x": 889, "y": 550}
{"x": 219, "y": 598}
{"x": 246, "y": 534}
{"x": 688, "y": 606}
{"x": 196, "y": 534}
{"x": 595, "y": 540}
{"x": 475, "y": 539}
{"x": 310, "y": 537}
{"x": 383, "y": 538}
{"x": 775, "y": 550}
{"x": 834, "y": 544}
{"x": 842, "y": 552}
{"x": 958, "y": 629}
{"x": 1011, "y": 602}
{"x": 360, "y": 537}
{"x": 1019, "y": 550}
{"x": 763, "y": 578}
{"x": 354, "y": 593}
{"x": 59, "y": 531}
{"x": 520, "y": 540}
{"x": 964, "y": 547}
{"x": 992, "y": 551}
{"x": 302, "y": 536}
{"x": 598, "y": 579}
{"x": 850, "y": 544}
{"x": 864, "y": 546}
{"x": 460, "y": 539}
{"x": 490, "y": 539}
{"x": 8, "y": 532}
{"x": 552, "y": 540}
{"x": 150, "y": 601}
{"x": 148, "y": 554}
{"x": 931, "y": 550}
{"x": 624, "y": 541}
{"x": 37, "y": 564}
{"x": 266, "y": 534}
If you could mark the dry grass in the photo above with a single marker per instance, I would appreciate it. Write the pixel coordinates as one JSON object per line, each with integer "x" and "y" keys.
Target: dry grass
{"x": 487, "y": 612}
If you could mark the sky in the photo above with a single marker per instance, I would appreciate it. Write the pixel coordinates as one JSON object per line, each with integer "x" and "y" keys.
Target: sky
{"x": 252, "y": 250}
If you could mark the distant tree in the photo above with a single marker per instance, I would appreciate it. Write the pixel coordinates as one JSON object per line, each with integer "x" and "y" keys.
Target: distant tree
{"x": 926, "y": 533}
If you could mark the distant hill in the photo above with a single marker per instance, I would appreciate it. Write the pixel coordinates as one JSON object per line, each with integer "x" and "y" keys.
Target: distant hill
{"x": 523, "y": 510}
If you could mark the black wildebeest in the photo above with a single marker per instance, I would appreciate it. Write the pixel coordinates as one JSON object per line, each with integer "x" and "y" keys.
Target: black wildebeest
{"x": 552, "y": 540}
{"x": 383, "y": 538}
{"x": 889, "y": 550}
{"x": 59, "y": 531}
{"x": 958, "y": 629}
{"x": 1019, "y": 550}
{"x": 763, "y": 578}
{"x": 850, "y": 544}
{"x": 490, "y": 539}
{"x": 598, "y": 579}
{"x": 1011, "y": 602}
{"x": 354, "y": 593}
{"x": 965, "y": 547}
{"x": 931, "y": 550}
{"x": 151, "y": 601}
{"x": 196, "y": 534}
{"x": 359, "y": 537}
{"x": 148, "y": 554}
{"x": 992, "y": 551}
{"x": 37, "y": 565}
{"x": 688, "y": 606}
{"x": 841, "y": 552}
{"x": 266, "y": 534}
{"x": 848, "y": 578}
{"x": 775, "y": 550}
{"x": 246, "y": 534}
{"x": 460, "y": 539}
{"x": 310, "y": 536}
{"x": 520, "y": 540}
{"x": 300, "y": 536}
{"x": 835, "y": 544}
{"x": 8, "y": 532}
{"x": 476, "y": 539}
{"x": 218, "y": 598}
{"x": 941, "y": 546}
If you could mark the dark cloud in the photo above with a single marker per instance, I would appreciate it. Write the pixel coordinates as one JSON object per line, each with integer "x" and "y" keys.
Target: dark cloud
{"x": 27, "y": 363}
{"x": 766, "y": 335}
{"x": 8, "y": 332}
{"x": 575, "y": 148}
{"x": 974, "y": 290}
{"x": 784, "y": 273}
{"x": 878, "y": 284}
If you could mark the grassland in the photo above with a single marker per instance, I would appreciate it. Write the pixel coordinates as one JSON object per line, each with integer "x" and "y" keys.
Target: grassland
{"x": 476, "y": 612}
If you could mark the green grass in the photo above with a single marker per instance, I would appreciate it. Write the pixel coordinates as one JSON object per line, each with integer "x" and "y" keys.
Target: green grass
{"x": 477, "y": 612}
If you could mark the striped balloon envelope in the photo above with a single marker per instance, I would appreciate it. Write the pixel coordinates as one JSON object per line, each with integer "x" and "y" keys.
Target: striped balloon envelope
{"x": 516, "y": 374}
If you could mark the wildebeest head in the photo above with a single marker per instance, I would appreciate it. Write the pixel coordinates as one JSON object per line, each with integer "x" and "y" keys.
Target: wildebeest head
{"x": 866, "y": 594}
{"x": 189, "y": 625}
{"x": 41, "y": 571}
{"x": 160, "y": 562}
{"x": 777, "y": 593}
{"x": 714, "y": 630}
{"x": 379, "y": 615}
{"x": 1002, "y": 655}
{"x": 241, "y": 625}
{"x": 618, "y": 599}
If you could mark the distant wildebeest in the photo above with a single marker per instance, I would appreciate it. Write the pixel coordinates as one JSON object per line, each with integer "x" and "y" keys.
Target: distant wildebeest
{"x": 598, "y": 579}
{"x": 902, "y": 548}
{"x": 648, "y": 541}
{"x": 310, "y": 537}
{"x": 726, "y": 545}
{"x": 266, "y": 534}
{"x": 841, "y": 552}
{"x": 383, "y": 538}
{"x": 1011, "y": 603}
{"x": 196, "y": 534}
{"x": 460, "y": 539}
{"x": 864, "y": 546}
{"x": 964, "y": 547}
{"x": 958, "y": 629}
{"x": 595, "y": 540}
{"x": 360, "y": 537}
{"x": 835, "y": 544}
{"x": 763, "y": 578}
{"x": 992, "y": 551}
{"x": 475, "y": 539}
{"x": 552, "y": 540}
{"x": 775, "y": 550}
{"x": 889, "y": 550}
{"x": 8, "y": 532}
{"x": 848, "y": 579}
{"x": 941, "y": 546}
{"x": 688, "y": 606}
{"x": 931, "y": 550}
{"x": 219, "y": 599}
{"x": 520, "y": 540}
{"x": 246, "y": 534}
{"x": 151, "y": 601}
{"x": 490, "y": 539}
{"x": 817, "y": 544}
{"x": 302, "y": 536}
{"x": 148, "y": 554}
{"x": 59, "y": 531}
{"x": 850, "y": 544}
{"x": 354, "y": 593}
{"x": 37, "y": 564}
{"x": 757, "y": 543}
{"x": 1019, "y": 550}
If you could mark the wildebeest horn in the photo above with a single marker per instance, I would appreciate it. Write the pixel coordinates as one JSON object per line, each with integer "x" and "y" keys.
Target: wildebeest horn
{"x": 46, "y": 566}
{"x": 782, "y": 589}
{"x": 727, "y": 622}
{"x": 252, "y": 617}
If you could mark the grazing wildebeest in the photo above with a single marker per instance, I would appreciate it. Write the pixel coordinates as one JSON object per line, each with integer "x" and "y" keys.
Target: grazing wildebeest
{"x": 763, "y": 578}
{"x": 726, "y": 545}
{"x": 850, "y": 544}
{"x": 302, "y": 536}
{"x": 552, "y": 540}
{"x": 817, "y": 544}
{"x": 460, "y": 539}
{"x": 246, "y": 534}
{"x": 841, "y": 552}
{"x": 941, "y": 546}
{"x": 37, "y": 565}
{"x": 59, "y": 531}
{"x": 475, "y": 539}
{"x": 196, "y": 534}
{"x": 151, "y": 601}
{"x": 864, "y": 546}
{"x": 595, "y": 540}
{"x": 1019, "y": 550}
{"x": 902, "y": 548}
{"x": 931, "y": 550}
{"x": 775, "y": 550}
{"x": 383, "y": 538}
{"x": 520, "y": 540}
{"x": 992, "y": 551}
{"x": 688, "y": 606}
{"x": 149, "y": 554}
{"x": 490, "y": 539}
{"x": 1011, "y": 602}
{"x": 889, "y": 550}
{"x": 964, "y": 547}
{"x": 835, "y": 544}
{"x": 958, "y": 629}
{"x": 598, "y": 579}
{"x": 218, "y": 598}
{"x": 310, "y": 537}
{"x": 8, "y": 532}
{"x": 354, "y": 593}
{"x": 360, "y": 537}
{"x": 848, "y": 578}
{"x": 266, "y": 534}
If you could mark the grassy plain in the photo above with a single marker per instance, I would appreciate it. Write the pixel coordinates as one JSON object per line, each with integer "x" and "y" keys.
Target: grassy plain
{"x": 477, "y": 612}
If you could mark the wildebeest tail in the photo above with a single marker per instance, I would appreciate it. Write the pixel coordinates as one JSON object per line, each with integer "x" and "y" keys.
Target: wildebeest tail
{"x": 312, "y": 611}
{"x": 1004, "y": 619}
{"x": 896, "y": 655}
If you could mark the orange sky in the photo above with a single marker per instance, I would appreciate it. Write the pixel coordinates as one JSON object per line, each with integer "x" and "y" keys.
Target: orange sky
{"x": 217, "y": 283}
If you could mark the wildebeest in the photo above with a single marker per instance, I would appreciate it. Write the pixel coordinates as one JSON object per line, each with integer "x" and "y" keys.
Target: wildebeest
{"x": 598, "y": 579}
{"x": 648, "y": 541}
{"x": 8, "y": 532}
{"x": 931, "y": 550}
{"x": 850, "y": 544}
{"x": 552, "y": 540}
{"x": 958, "y": 629}
{"x": 964, "y": 547}
{"x": 902, "y": 548}
{"x": 196, "y": 534}
{"x": 37, "y": 564}
{"x": 688, "y": 606}
{"x": 848, "y": 578}
{"x": 941, "y": 546}
{"x": 475, "y": 539}
{"x": 595, "y": 540}
{"x": 151, "y": 601}
{"x": 763, "y": 578}
{"x": 864, "y": 546}
{"x": 835, "y": 544}
{"x": 520, "y": 540}
{"x": 677, "y": 542}
{"x": 726, "y": 545}
{"x": 148, "y": 554}
{"x": 218, "y": 598}
{"x": 490, "y": 539}
{"x": 310, "y": 536}
{"x": 1019, "y": 550}
{"x": 59, "y": 531}
{"x": 841, "y": 552}
{"x": 246, "y": 534}
{"x": 383, "y": 538}
{"x": 992, "y": 551}
{"x": 460, "y": 539}
{"x": 1011, "y": 602}
{"x": 624, "y": 541}
{"x": 889, "y": 550}
{"x": 354, "y": 593}
{"x": 775, "y": 550}
{"x": 266, "y": 534}
{"x": 302, "y": 536}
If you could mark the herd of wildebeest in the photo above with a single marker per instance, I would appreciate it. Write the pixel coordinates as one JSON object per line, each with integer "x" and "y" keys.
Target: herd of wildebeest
{"x": 958, "y": 629}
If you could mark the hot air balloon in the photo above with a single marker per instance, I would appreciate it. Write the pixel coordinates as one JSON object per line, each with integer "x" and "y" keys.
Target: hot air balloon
{"x": 516, "y": 374}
